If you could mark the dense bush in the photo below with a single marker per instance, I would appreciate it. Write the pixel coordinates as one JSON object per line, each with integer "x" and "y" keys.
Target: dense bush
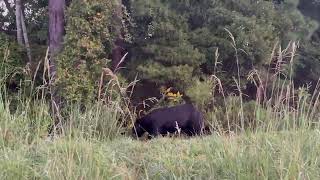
{"x": 161, "y": 51}
{"x": 88, "y": 44}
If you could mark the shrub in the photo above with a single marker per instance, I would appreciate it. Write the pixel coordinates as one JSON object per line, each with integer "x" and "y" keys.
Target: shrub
{"x": 88, "y": 44}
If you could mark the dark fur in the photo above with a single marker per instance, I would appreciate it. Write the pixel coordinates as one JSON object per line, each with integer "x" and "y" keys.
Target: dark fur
{"x": 163, "y": 121}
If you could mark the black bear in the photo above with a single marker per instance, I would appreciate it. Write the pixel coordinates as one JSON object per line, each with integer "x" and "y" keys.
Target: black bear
{"x": 168, "y": 120}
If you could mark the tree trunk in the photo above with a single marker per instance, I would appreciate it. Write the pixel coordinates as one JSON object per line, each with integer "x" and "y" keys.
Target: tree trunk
{"x": 25, "y": 37}
{"x": 18, "y": 22}
{"x": 56, "y": 32}
{"x": 118, "y": 51}
{"x": 56, "y": 25}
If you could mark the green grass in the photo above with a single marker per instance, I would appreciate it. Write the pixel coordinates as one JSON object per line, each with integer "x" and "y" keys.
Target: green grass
{"x": 279, "y": 155}
{"x": 277, "y": 138}
{"x": 284, "y": 144}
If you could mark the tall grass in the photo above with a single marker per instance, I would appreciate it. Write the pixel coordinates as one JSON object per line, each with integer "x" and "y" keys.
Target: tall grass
{"x": 278, "y": 104}
{"x": 281, "y": 143}
{"x": 288, "y": 155}
{"x": 25, "y": 115}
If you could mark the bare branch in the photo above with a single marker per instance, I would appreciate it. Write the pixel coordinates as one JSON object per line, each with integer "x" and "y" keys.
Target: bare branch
{"x": 25, "y": 36}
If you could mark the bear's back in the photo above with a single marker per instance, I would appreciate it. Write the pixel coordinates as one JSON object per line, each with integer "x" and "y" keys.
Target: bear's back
{"x": 171, "y": 114}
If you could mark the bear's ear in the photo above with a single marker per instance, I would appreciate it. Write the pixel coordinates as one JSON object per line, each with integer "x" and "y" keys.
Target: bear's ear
{"x": 141, "y": 113}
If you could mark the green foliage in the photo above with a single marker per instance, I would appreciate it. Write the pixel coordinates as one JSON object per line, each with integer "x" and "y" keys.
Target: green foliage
{"x": 173, "y": 42}
{"x": 163, "y": 54}
{"x": 256, "y": 28}
{"x": 200, "y": 93}
{"x": 176, "y": 41}
{"x": 37, "y": 22}
{"x": 233, "y": 115}
{"x": 88, "y": 43}
{"x": 11, "y": 61}
{"x": 308, "y": 68}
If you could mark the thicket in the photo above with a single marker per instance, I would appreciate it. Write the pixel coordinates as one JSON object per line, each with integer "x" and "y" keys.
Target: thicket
{"x": 88, "y": 42}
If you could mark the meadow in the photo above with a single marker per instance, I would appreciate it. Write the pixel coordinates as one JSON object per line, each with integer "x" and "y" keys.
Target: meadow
{"x": 94, "y": 146}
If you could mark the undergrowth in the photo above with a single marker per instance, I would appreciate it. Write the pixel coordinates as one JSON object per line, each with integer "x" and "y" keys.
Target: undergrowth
{"x": 273, "y": 136}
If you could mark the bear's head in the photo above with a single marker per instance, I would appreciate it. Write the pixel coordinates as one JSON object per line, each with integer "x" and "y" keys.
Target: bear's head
{"x": 137, "y": 129}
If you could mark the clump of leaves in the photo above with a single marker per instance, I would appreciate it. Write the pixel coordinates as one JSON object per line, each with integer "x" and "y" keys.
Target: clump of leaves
{"x": 88, "y": 44}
